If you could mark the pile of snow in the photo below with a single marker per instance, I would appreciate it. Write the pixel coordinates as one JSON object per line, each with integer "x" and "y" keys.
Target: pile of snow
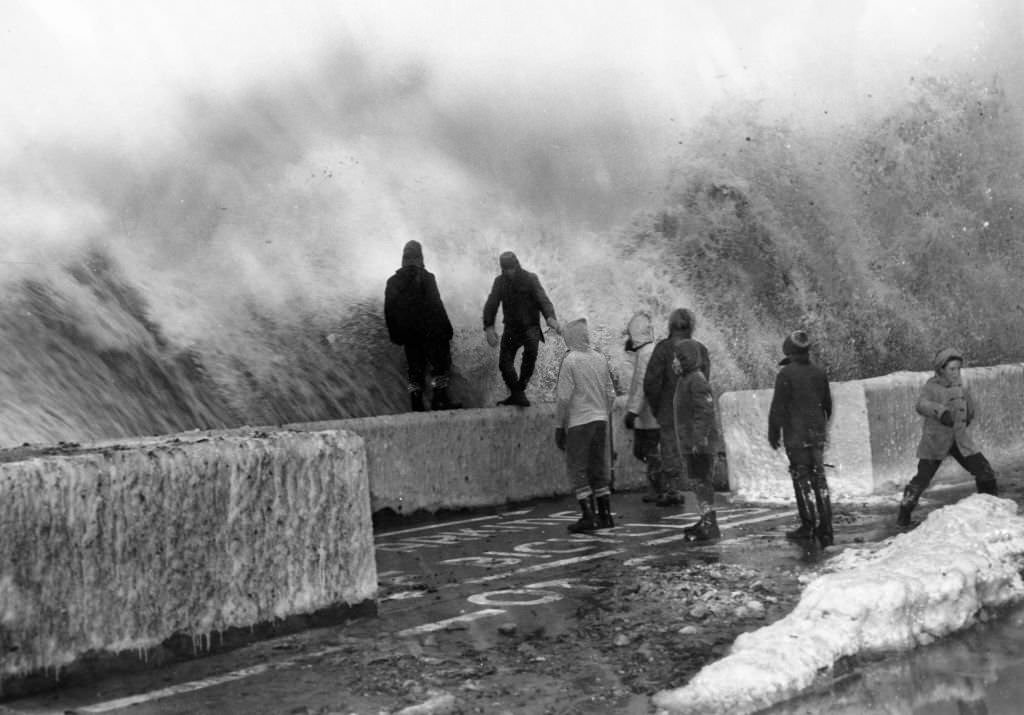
{"x": 905, "y": 592}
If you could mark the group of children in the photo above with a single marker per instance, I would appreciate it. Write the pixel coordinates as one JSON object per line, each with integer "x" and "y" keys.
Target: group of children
{"x": 670, "y": 409}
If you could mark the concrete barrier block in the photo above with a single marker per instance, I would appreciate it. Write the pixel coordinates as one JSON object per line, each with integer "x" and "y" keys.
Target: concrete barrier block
{"x": 119, "y": 547}
{"x": 757, "y": 473}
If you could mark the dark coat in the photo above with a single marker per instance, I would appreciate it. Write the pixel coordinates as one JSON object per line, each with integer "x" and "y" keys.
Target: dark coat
{"x": 660, "y": 378}
{"x": 522, "y": 300}
{"x": 801, "y": 405}
{"x": 413, "y": 309}
{"x": 693, "y": 403}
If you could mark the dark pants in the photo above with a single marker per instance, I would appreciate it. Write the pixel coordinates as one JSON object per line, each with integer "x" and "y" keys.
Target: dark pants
{"x": 646, "y": 448}
{"x": 813, "y": 500}
{"x": 511, "y": 340}
{"x": 700, "y": 468}
{"x": 671, "y": 461}
{"x": 419, "y": 354}
{"x": 976, "y": 464}
{"x": 586, "y": 457}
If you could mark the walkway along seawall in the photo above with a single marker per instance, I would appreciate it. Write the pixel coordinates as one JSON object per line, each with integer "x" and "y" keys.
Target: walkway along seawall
{"x": 873, "y": 435}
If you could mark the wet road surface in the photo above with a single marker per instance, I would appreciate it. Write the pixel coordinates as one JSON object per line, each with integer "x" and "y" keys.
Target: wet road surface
{"x": 473, "y": 573}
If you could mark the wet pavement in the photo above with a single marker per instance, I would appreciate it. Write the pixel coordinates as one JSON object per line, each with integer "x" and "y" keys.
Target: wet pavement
{"x": 476, "y": 575}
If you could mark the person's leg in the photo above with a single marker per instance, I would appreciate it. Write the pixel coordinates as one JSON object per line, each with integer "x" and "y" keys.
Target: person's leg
{"x": 598, "y": 475}
{"x": 577, "y": 456}
{"x": 799, "y": 464}
{"x": 440, "y": 357}
{"x": 671, "y": 467}
{"x": 926, "y": 469}
{"x": 416, "y": 373}
{"x": 510, "y": 344}
{"x": 531, "y": 346}
{"x": 980, "y": 469}
{"x": 646, "y": 449}
{"x": 701, "y": 467}
{"x": 822, "y": 497}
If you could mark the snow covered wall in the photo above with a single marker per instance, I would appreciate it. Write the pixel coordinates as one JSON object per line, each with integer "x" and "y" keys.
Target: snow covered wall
{"x": 117, "y": 547}
{"x": 873, "y": 435}
{"x": 906, "y": 591}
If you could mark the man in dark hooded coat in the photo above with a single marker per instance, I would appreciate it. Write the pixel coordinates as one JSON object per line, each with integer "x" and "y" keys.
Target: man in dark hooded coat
{"x": 417, "y": 320}
{"x": 523, "y": 301}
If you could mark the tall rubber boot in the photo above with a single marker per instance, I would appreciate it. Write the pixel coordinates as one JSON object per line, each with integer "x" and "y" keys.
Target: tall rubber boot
{"x": 587, "y": 522}
{"x": 823, "y": 500}
{"x": 806, "y": 528}
{"x": 604, "y": 512}
{"x": 805, "y": 499}
{"x": 416, "y": 400}
{"x": 910, "y": 496}
{"x": 655, "y": 486}
{"x": 988, "y": 486}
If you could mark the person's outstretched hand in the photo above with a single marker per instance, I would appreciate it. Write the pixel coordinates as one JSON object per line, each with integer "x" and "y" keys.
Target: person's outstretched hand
{"x": 555, "y": 325}
{"x": 492, "y": 337}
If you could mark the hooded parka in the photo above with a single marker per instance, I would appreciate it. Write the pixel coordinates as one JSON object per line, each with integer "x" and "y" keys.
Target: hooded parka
{"x": 936, "y": 397}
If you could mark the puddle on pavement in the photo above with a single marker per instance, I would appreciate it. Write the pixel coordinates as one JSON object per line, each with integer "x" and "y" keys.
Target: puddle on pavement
{"x": 977, "y": 672}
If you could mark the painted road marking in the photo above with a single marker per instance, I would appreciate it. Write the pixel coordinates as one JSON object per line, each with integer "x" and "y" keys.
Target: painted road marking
{"x": 436, "y": 526}
{"x": 541, "y": 567}
{"x": 729, "y": 525}
{"x": 439, "y": 625}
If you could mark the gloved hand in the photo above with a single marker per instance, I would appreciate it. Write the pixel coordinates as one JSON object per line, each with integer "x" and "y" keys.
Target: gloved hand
{"x": 773, "y": 441}
{"x": 492, "y": 337}
{"x": 555, "y": 325}
{"x": 947, "y": 418}
{"x": 560, "y": 438}
{"x": 630, "y": 420}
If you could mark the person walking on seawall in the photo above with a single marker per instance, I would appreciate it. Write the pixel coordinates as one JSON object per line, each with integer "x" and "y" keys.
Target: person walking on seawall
{"x": 696, "y": 435}
{"x": 948, "y": 409}
{"x": 417, "y": 320}
{"x": 585, "y": 395}
{"x": 659, "y": 390}
{"x": 798, "y": 419}
{"x": 639, "y": 417}
{"x": 523, "y": 301}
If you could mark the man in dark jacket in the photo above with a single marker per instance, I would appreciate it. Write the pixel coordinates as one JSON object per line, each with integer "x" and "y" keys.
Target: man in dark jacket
{"x": 798, "y": 418}
{"x": 660, "y": 389}
{"x": 417, "y": 320}
{"x": 696, "y": 434}
{"x": 523, "y": 301}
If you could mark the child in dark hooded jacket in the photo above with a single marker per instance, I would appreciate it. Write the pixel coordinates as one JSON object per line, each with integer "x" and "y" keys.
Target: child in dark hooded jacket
{"x": 696, "y": 433}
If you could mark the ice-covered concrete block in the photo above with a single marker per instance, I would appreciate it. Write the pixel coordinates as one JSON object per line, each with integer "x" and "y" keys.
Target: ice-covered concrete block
{"x": 757, "y": 473}
{"x": 904, "y": 592}
{"x": 119, "y": 546}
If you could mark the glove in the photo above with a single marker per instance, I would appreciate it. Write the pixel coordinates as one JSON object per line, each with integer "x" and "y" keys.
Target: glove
{"x": 630, "y": 420}
{"x": 947, "y": 418}
{"x": 555, "y": 325}
{"x": 560, "y": 438}
{"x": 773, "y": 441}
{"x": 492, "y": 337}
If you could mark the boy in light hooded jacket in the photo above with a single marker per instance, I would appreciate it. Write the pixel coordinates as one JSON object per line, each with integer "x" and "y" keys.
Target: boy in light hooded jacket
{"x": 948, "y": 410}
{"x": 585, "y": 395}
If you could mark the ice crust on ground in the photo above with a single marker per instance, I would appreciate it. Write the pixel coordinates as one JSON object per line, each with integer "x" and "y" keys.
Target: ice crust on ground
{"x": 906, "y": 591}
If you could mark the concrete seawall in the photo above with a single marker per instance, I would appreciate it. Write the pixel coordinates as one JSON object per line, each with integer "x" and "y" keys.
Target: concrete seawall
{"x": 458, "y": 459}
{"x": 121, "y": 547}
{"x": 873, "y": 435}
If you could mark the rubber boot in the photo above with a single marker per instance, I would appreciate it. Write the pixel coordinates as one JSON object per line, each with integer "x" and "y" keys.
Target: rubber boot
{"x": 655, "y": 487}
{"x": 518, "y": 399}
{"x": 704, "y": 530}
{"x": 670, "y": 495}
{"x": 823, "y": 500}
{"x": 988, "y": 486}
{"x": 604, "y": 513}
{"x": 587, "y": 522}
{"x": 441, "y": 401}
{"x": 416, "y": 399}
{"x": 801, "y": 533}
{"x": 910, "y": 496}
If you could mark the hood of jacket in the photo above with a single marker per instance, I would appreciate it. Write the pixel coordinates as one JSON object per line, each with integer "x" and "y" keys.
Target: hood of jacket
{"x": 688, "y": 354}
{"x": 944, "y": 356}
{"x": 576, "y": 335}
{"x": 639, "y": 332}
